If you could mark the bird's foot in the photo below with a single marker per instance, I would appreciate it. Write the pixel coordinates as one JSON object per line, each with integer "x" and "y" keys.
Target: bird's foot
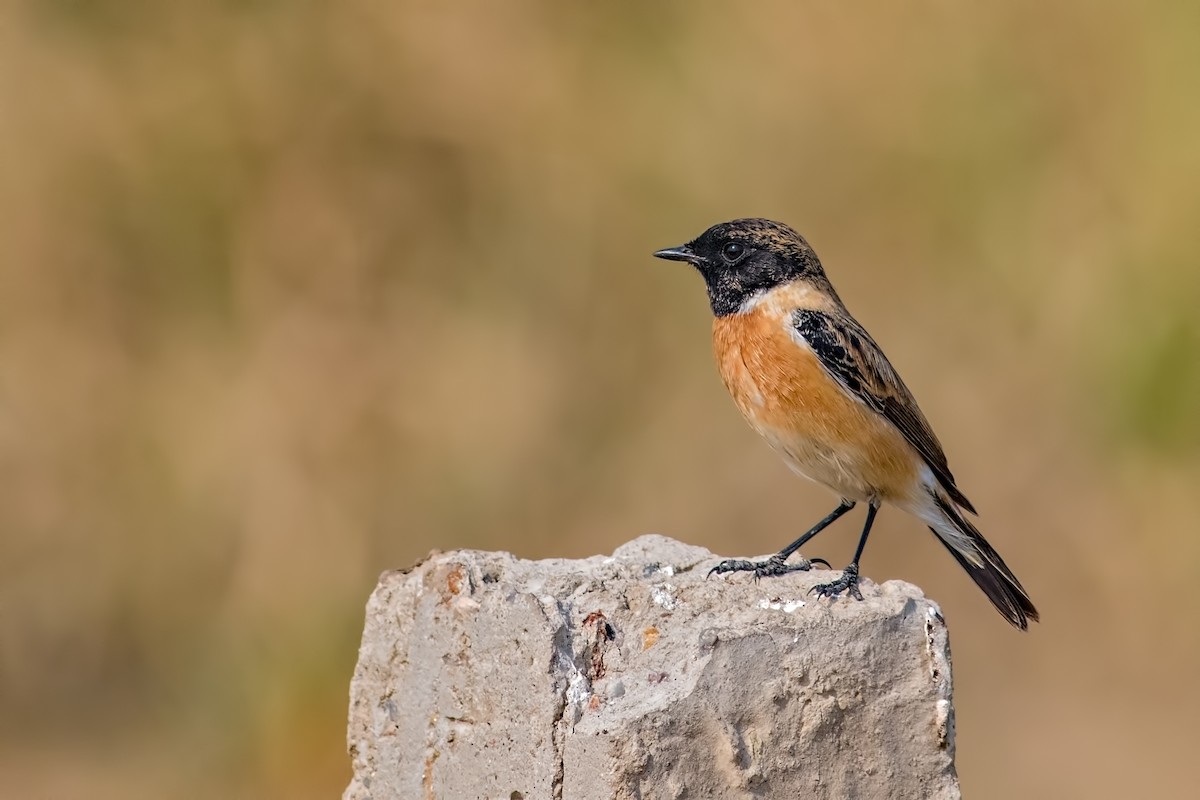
{"x": 847, "y": 583}
{"x": 775, "y": 565}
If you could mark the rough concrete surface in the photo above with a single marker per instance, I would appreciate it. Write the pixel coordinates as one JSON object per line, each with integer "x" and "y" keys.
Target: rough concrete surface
{"x": 632, "y": 676}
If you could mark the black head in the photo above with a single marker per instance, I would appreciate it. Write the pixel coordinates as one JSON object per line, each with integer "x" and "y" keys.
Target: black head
{"x": 746, "y": 257}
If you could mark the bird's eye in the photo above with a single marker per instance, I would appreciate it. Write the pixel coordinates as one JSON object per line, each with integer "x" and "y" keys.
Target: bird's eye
{"x": 733, "y": 252}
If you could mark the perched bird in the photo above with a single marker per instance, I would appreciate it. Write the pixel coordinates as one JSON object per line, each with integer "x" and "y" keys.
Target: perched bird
{"x": 815, "y": 385}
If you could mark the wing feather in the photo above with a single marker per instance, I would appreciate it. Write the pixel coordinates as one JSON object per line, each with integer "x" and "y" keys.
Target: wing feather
{"x": 858, "y": 364}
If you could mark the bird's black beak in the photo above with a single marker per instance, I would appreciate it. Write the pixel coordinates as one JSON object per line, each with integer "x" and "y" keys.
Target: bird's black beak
{"x": 681, "y": 253}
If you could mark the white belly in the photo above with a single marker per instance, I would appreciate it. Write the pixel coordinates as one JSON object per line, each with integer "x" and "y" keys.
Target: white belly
{"x": 837, "y": 470}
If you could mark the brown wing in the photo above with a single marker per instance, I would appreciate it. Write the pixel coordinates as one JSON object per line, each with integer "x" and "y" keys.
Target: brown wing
{"x": 851, "y": 356}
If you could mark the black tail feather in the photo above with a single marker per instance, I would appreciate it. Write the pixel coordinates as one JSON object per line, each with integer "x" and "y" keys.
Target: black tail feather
{"x": 992, "y": 575}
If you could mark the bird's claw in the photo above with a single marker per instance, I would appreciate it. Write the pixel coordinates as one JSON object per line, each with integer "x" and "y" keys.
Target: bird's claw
{"x": 765, "y": 569}
{"x": 847, "y": 583}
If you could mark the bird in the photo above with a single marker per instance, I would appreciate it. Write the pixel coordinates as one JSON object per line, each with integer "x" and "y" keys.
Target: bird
{"x": 813, "y": 383}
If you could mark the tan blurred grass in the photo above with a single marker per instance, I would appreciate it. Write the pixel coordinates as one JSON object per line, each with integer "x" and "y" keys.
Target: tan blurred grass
{"x": 291, "y": 293}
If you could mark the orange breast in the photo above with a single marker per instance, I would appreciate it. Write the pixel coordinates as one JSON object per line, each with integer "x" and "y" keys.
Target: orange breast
{"x": 821, "y": 431}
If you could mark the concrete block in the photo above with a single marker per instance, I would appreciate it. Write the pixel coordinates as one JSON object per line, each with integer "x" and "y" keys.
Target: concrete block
{"x": 632, "y": 676}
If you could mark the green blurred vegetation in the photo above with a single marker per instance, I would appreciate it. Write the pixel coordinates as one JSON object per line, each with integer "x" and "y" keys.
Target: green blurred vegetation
{"x": 292, "y": 292}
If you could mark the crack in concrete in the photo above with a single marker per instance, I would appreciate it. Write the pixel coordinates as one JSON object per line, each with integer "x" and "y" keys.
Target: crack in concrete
{"x": 571, "y": 686}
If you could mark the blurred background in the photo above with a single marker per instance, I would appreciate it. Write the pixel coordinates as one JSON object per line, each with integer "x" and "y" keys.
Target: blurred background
{"x": 293, "y": 292}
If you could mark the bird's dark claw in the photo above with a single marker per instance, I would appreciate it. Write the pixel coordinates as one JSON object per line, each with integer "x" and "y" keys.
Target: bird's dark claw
{"x": 847, "y": 583}
{"x": 775, "y": 565}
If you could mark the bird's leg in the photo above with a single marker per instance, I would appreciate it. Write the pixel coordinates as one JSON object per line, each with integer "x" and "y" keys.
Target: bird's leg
{"x": 777, "y": 564}
{"x": 849, "y": 580}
